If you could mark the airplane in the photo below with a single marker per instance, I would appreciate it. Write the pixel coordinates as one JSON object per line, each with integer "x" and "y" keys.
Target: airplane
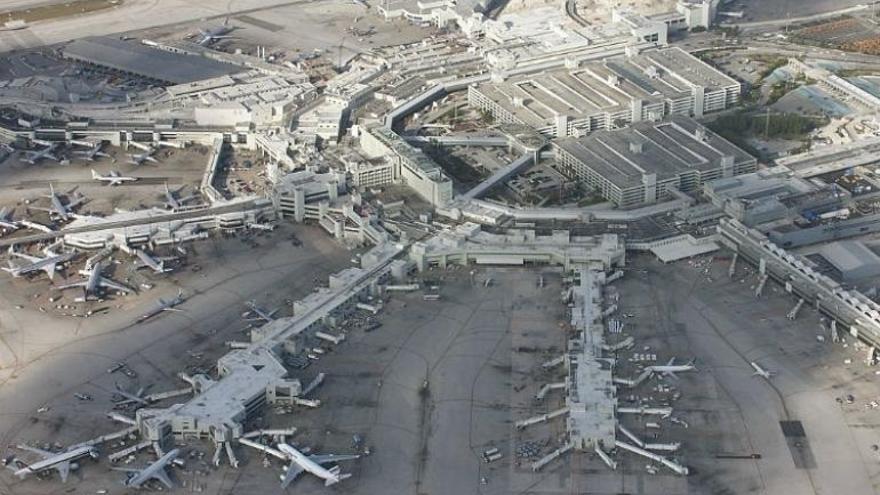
{"x": 36, "y": 226}
{"x": 92, "y": 152}
{"x": 300, "y": 463}
{"x": 164, "y": 305}
{"x": 175, "y": 203}
{"x": 215, "y": 33}
{"x": 63, "y": 462}
{"x": 759, "y": 371}
{"x": 140, "y": 158}
{"x": 156, "y": 470}
{"x": 361, "y": 32}
{"x": 59, "y": 207}
{"x": 32, "y": 157}
{"x": 95, "y": 282}
{"x": 113, "y": 178}
{"x": 362, "y": 3}
{"x": 155, "y": 264}
{"x": 260, "y": 313}
{"x": 670, "y": 369}
{"x": 6, "y": 220}
{"x": 131, "y": 398}
{"x": 47, "y": 264}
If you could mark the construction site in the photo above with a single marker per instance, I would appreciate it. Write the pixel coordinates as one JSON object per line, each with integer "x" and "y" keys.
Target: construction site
{"x": 456, "y": 247}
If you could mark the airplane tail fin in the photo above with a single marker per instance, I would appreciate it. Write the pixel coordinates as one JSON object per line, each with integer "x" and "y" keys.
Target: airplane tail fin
{"x": 336, "y": 479}
{"x": 95, "y": 175}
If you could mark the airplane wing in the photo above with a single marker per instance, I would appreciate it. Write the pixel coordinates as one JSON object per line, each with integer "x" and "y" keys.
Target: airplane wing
{"x": 63, "y": 469}
{"x": 162, "y": 476}
{"x": 293, "y": 471}
{"x": 670, "y": 374}
{"x": 32, "y": 259}
{"x": 45, "y": 454}
{"x": 71, "y": 286}
{"x": 331, "y": 458}
{"x": 110, "y": 284}
{"x": 126, "y": 470}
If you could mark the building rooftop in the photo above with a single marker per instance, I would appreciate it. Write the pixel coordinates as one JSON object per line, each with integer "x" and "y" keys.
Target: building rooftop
{"x": 136, "y": 58}
{"x": 852, "y": 258}
{"x": 591, "y": 397}
{"x": 608, "y": 86}
{"x": 412, "y": 154}
{"x": 667, "y": 148}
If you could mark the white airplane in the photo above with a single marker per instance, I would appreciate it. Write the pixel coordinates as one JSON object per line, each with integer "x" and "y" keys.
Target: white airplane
{"x": 59, "y": 207}
{"x": 669, "y": 369}
{"x": 32, "y": 157}
{"x": 113, "y": 178}
{"x": 155, "y": 471}
{"x": 206, "y": 37}
{"x": 95, "y": 282}
{"x": 47, "y": 264}
{"x": 759, "y": 371}
{"x": 63, "y": 462}
{"x": 142, "y": 146}
{"x": 300, "y": 463}
{"x": 6, "y": 220}
{"x": 164, "y": 305}
{"x": 362, "y": 3}
{"x": 260, "y": 313}
{"x": 174, "y": 201}
{"x": 155, "y": 264}
{"x": 36, "y": 226}
{"x": 93, "y": 152}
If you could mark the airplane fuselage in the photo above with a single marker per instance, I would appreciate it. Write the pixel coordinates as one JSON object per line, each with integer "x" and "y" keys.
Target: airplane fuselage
{"x": 307, "y": 464}
{"x": 51, "y": 462}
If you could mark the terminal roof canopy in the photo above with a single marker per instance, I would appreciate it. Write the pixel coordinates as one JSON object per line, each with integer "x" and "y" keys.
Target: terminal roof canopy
{"x": 136, "y": 58}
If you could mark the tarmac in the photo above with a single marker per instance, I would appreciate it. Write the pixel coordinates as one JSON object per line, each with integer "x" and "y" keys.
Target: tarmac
{"x": 687, "y": 311}
{"x": 45, "y": 359}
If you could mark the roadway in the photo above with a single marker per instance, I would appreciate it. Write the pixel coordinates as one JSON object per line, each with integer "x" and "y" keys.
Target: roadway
{"x": 775, "y": 23}
{"x": 571, "y": 10}
{"x": 131, "y": 16}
